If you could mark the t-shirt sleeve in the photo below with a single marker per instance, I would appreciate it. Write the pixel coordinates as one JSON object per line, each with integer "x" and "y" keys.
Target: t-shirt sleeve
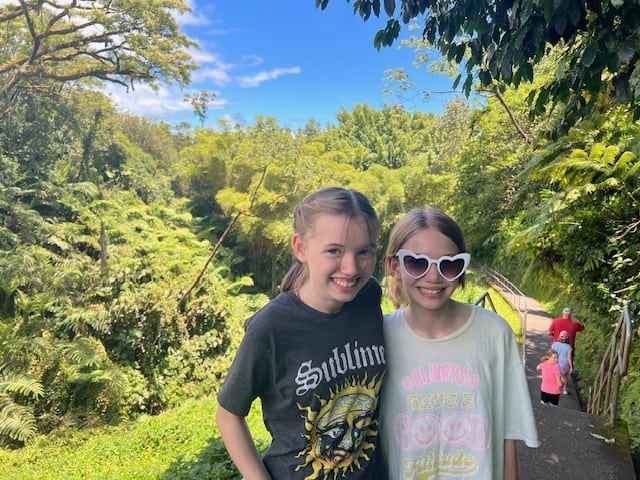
{"x": 520, "y": 422}
{"x": 247, "y": 377}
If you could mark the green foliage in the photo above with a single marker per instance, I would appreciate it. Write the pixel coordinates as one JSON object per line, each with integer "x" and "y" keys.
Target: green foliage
{"x": 390, "y": 137}
{"x": 123, "y": 43}
{"x": 178, "y": 444}
{"x": 212, "y": 462}
{"x": 502, "y": 41}
{"x": 91, "y": 274}
{"x": 17, "y": 421}
{"x": 592, "y": 206}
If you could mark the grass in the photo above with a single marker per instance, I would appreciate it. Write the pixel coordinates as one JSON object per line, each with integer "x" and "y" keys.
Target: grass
{"x": 141, "y": 450}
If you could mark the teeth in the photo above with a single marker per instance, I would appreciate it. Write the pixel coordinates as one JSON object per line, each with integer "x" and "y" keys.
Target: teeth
{"x": 344, "y": 283}
{"x": 430, "y": 292}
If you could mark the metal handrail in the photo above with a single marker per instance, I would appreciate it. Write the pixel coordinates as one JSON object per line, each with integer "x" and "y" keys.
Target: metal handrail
{"x": 604, "y": 394}
{"x": 514, "y": 296}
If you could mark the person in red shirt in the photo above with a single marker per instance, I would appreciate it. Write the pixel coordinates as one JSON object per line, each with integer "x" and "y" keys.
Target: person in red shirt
{"x": 566, "y": 323}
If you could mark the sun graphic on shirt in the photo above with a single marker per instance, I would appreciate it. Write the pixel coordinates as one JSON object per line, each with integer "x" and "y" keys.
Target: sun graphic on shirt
{"x": 341, "y": 434}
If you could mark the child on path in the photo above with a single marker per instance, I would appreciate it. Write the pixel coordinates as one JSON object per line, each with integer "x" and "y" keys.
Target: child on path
{"x": 455, "y": 396}
{"x": 551, "y": 378}
{"x": 314, "y": 355}
{"x": 565, "y": 358}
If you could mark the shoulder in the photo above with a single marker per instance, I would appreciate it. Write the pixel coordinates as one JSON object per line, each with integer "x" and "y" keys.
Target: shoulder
{"x": 280, "y": 307}
{"x": 392, "y": 324}
{"x": 489, "y": 319}
{"x": 368, "y": 298}
{"x": 370, "y": 292}
{"x": 490, "y": 327}
{"x": 393, "y": 317}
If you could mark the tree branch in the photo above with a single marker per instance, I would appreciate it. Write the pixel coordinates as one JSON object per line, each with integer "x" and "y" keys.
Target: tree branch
{"x": 512, "y": 117}
{"x": 254, "y": 197}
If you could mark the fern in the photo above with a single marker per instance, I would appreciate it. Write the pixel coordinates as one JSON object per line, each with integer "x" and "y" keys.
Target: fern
{"x": 17, "y": 422}
{"x": 85, "y": 353}
{"x": 21, "y": 384}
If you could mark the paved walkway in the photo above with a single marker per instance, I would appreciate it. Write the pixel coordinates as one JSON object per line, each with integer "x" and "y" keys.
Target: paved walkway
{"x": 569, "y": 450}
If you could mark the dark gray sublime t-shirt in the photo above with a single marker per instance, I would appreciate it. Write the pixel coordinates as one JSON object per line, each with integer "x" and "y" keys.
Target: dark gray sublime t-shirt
{"x": 318, "y": 376}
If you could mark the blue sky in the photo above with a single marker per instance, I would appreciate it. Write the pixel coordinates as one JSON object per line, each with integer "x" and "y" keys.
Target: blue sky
{"x": 282, "y": 58}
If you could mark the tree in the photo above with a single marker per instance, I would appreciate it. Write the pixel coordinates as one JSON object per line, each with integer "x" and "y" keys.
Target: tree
{"x": 388, "y": 137}
{"x": 588, "y": 218}
{"x": 500, "y": 41}
{"x": 200, "y": 102}
{"x": 46, "y": 44}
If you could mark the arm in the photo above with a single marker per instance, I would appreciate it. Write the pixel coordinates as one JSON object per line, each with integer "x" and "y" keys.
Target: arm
{"x": 570, "y": 359}
{"x": 510, "y": 460}
{"x": 237, "y": 438}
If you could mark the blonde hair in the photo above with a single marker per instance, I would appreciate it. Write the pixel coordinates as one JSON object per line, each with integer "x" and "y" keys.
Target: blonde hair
{"x": 550, "y": 353}
{"x": 333, "y": 200}
{"x": 412, "y": 222}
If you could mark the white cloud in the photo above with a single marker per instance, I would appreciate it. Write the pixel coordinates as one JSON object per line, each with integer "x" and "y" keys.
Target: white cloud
{"x": 214, "y": 72}
{"x": 218, "y": 76}
{"x": 203, "y": 56}
{"x": 145, "y": 101}
{"x": 260, "y": 77}
{"x": 195, "y": 18}
{"x": 212, "y": 68}
{"x": 253, "y": 60}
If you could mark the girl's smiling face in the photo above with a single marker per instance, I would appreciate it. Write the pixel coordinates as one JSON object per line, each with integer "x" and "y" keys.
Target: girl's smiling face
{"x": 431, "y": 291}
{"x": 340, "y": 258}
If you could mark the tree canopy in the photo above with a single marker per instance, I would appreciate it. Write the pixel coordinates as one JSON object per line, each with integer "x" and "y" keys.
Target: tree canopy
{"x": 502, "y": 40}
{"x": 45, "y": 44}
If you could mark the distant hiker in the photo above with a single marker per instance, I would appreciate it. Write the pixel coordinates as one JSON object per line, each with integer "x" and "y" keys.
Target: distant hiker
{"x": 565, "y": 358}
{"x": 551, "y": 378}
{"x": 565, "y": 323}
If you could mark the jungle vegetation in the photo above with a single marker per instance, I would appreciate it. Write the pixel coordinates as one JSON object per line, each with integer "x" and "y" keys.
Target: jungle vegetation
{"x": 131, "y": 250}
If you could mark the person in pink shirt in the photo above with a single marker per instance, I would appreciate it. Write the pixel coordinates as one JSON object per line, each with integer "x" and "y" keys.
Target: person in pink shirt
{"x": 565, "y": 323}
{"x": 551, "y": 378}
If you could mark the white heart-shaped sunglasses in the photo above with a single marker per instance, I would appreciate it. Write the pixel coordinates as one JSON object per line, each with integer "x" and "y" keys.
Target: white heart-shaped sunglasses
{"x": 417, "y": 266}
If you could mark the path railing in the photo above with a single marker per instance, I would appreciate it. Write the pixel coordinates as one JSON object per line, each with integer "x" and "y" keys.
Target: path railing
{"x": 514, "y": 296}
{"x": 604, "y": 394}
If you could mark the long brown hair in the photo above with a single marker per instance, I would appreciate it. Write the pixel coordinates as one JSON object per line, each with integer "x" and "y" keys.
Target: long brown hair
{"x": 333, "y": 200}
{"x": 411, "y": 223}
